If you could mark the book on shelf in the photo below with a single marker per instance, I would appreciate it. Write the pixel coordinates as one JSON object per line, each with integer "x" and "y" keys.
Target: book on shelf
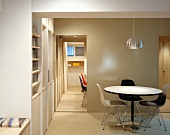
{"x": 34, "y": 41}
{"x": 34, "y": 78}
{"x": 35, "y": 66}
{"x": 34, "y": 54}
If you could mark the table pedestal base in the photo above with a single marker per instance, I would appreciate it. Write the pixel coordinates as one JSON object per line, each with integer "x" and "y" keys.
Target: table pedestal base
{"x": 133, "y": 125}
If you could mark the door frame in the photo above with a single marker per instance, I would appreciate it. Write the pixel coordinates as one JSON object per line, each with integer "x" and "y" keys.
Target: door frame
{"x": 161, "y": 65}
{"x": 162, "y": 39}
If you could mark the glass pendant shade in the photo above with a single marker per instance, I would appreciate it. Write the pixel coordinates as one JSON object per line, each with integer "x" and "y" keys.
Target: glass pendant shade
{"x": 134, "y": 43}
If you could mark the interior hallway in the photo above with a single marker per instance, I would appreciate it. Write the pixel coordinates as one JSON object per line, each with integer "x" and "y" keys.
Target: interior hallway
{"x": 71, "y": 101}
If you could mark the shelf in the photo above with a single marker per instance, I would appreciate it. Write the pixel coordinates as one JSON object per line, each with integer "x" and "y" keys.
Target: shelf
{"x": 44, "y": 88}
{"x": 35, "y": 95}
{"x": 36, "y": 71}
{"x": 35, "y": 47}
{"x": 35, "y": 59}
{"x": 35, "y": 35}
{"x": 75, "y": 59}
{"x": 35, "y": 84}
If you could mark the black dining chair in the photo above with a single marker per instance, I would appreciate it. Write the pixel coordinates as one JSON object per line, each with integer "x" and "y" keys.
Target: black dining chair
{"x": 129, "y": 82}
{"x": 159, "y": 102}
{"x": 84, "y": 90}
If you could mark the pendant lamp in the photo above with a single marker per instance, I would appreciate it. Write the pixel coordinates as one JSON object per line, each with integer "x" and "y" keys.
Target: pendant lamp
{"x": 133, "y": 42}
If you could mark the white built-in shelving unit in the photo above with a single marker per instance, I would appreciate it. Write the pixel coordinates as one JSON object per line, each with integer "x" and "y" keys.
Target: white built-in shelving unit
{"x": 42, "y": 75}
{"x": 36, "y": 68}
{"x": 36, "y": 77}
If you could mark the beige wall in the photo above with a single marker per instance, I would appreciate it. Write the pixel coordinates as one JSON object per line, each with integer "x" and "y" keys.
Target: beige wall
{"x": 108, "y": 60}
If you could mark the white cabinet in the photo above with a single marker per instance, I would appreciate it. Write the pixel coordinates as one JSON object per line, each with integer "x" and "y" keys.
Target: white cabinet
{"x": 42, "y": 75}
{"x": 50, "y": 100}
{"x": 36, "y": 114}
{"x": 44, "y": 110}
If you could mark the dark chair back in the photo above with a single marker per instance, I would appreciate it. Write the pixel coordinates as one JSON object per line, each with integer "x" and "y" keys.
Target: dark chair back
{"x": 160, "y": 101}
{"x": 127, "y": 82}
{"x": 162, "y": 97}
{"x": 82, "y": 86}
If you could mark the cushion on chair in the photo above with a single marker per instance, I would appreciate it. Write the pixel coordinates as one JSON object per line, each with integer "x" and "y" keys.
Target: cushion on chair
{"x": 160, "y": 101}
{"x": 129, "y": 98}
{"x": 116, "y": 102}
{"x": 147, "y": 103}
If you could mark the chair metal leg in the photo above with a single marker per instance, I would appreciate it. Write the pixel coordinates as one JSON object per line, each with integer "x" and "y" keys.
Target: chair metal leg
{"x": 139, "y": 112}
{"x": 152, "y": 114}
{"x": 127, "y": 111}
{"x": 107, "y": 115}
{"x": 118, "y": 117}
{"x": 163, "y": 122}
{"x": 160, "y": 118}
{"x": 105, "y": 121}
{"x": 84, "y": 98}
{"x": 158, "y": 115}
{"x": 104, "y": 116}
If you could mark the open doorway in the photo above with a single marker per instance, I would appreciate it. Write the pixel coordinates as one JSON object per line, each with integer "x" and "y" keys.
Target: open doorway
{"x": 71, "y": 62}
{"x": 164, "y": 67}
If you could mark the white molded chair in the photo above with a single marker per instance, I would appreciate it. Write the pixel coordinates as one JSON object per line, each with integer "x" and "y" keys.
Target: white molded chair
{"x": 109, "y": 104}
{"x": 159, "y": 102}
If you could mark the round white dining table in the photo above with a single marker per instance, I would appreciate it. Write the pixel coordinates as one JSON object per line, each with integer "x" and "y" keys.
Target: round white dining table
{"x": 133, "y": 91}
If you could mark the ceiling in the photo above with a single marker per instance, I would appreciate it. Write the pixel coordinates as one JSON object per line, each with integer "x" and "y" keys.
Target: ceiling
{"x": 102, "y": 14}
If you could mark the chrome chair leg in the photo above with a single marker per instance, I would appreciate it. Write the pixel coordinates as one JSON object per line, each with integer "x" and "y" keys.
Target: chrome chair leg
{"x": 104, "y": 115}
{"x": 139, "y": 112}
{"x": 84, "y": 98}
{"x": 108, "y": 114}
{"x": 155, "y": 113}
{"x": 118, "y": 117}
{"x": 163, "y": 122}
{"x": 127, "y": 111}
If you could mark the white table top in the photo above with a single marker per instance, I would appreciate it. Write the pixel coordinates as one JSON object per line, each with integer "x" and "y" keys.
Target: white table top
{"x": 133, "y": 90}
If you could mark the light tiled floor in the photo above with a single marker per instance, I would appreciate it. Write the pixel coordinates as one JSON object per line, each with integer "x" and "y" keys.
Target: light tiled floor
{"x": 71, "y": 101}
{"x": 68, "y": 121}
{"x": 75, "y": 123}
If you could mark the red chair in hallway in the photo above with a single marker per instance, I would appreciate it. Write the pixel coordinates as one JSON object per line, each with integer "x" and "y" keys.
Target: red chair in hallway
{"x": 83, "y": 80}
{"x": 83, "y": 89}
